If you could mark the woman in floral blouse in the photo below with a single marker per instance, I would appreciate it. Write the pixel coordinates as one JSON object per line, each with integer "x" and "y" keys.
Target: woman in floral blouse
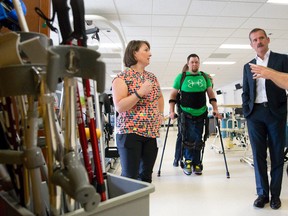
{"x": 140, "y": 104}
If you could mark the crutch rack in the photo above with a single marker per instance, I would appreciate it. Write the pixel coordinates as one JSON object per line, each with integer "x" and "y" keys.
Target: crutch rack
{"x": 31, "y": 157}
{"x": 33, "y": 81}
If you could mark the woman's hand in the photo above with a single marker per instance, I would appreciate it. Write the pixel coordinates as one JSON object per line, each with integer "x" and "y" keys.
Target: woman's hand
{"x": 145, "y": 89}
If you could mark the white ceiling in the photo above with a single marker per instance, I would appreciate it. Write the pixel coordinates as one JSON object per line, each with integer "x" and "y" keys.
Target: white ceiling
{"x": 177, "y": 28}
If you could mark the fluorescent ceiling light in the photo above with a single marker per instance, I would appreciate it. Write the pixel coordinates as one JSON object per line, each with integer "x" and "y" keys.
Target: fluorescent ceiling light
{"x": 278, "y": 1}
{"x": 235, "y": 46}
{"x": 218, "y": 63}
{"x": 113, "y": 75}
{"x": 212, "y": 75}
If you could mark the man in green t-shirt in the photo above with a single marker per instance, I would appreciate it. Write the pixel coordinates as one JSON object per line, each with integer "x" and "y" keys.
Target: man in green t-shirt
{"x": 193, "y": 85}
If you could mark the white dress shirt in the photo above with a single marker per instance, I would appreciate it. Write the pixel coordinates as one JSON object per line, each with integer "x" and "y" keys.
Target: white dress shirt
{"x": 261, "y": 95}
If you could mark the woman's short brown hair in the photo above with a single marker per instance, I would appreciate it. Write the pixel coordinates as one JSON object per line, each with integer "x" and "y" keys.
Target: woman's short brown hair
{"x": 132, "y": 47}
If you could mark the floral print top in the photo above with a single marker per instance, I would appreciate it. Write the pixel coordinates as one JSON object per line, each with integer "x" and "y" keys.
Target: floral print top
{"x": 144, "y": 118}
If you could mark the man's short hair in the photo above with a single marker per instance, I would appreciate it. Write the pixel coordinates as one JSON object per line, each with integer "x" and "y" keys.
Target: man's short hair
{"x": 256, "y": 30}
{"x": 193, "y": 55}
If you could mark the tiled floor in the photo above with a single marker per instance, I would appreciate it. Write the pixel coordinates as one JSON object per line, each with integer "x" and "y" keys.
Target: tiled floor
{"x": 212, "y": 193}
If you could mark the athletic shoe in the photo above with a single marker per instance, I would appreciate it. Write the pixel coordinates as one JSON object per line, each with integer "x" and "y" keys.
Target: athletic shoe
{"x": 197, "y": 170}
{"x": 187, "y": 167}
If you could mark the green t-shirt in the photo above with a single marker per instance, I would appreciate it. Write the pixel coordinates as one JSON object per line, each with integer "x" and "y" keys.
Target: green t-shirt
{"x": 193, "y": 83}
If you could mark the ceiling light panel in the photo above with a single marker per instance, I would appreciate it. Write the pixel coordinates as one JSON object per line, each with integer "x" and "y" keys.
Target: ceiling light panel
{"x": 278, "y": 1}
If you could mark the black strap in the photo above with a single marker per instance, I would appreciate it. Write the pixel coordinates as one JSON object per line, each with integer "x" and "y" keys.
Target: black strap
{"x": 49, "y": 22}
{"x": 205, "y": 76}
{"x": 173, "y": 101}
{"x": 182, "y": 79}
{"x": 179, "y": 94}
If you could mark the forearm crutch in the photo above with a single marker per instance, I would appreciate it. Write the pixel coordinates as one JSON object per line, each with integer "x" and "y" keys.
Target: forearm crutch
{"x": 54, "y": 142}
{"x": 79, "y": 34}
{"x": 71, "y": 62}
{"x": 31, "y": 156}
{"x": 223, "y": 150}
{"x": 167, "y": 130}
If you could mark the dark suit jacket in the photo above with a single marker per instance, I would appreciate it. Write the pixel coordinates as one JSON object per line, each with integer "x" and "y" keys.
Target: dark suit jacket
{"x": 277, "y": 100}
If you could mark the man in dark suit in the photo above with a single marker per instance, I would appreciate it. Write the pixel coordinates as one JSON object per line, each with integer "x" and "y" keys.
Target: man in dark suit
{"x": 265, "y": 109}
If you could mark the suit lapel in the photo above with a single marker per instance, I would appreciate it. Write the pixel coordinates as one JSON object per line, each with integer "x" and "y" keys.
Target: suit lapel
{"x": 253, "y": 80}
{"x": 271, "y": 61}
